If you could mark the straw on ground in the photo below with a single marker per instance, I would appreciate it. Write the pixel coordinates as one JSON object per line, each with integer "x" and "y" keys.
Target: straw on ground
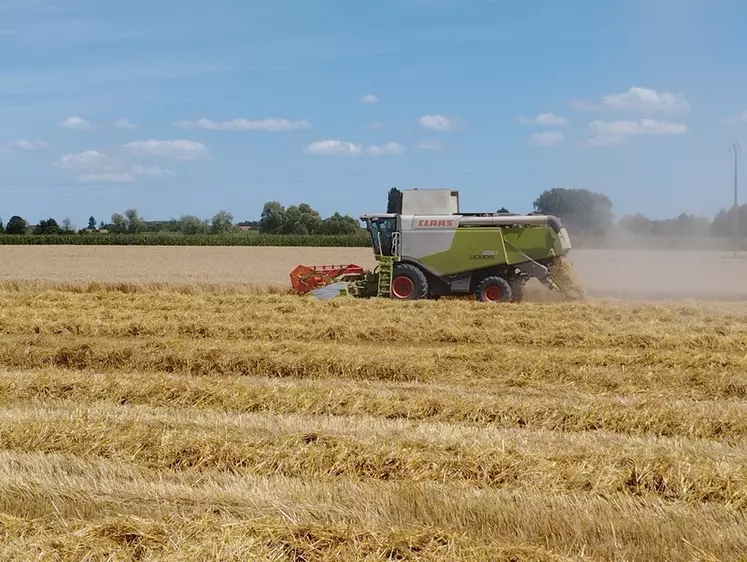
{"x": 183, "y": 423}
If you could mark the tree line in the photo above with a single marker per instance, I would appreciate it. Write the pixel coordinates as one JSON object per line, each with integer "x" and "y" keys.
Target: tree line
{"x": 275, "y": 219}
{"x": 582, "y": 211}
{"x": 586, "y": 212}
{"x": 302, "y": 219}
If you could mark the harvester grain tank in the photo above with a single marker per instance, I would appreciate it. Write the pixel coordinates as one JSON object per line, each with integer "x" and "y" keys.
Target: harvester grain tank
{"x": 432, "y": 249}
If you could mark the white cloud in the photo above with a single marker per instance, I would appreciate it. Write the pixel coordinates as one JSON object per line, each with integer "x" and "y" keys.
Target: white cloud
{"x": 87, "y": 160}
{"x": 125, "y": 124}
{"x": 370, "y": 98}
{"x": 106, "y": 177}
{"x": 177, "y": 149}
{"x": 642, "y": 127}
{"x": 95, "y": 166}
{"x": 272, "y": 125}
{"x": 125, "y": 176}
{"x": 645, "y": 99}
{"x": 76, "y": 123}
{"x": 389, "y": 149}
{"x": 741, "y": 118}
{"x": 155, "y": 171}
{"x": 617, "y": 132}
{"x": 31, "y": 144}
{"x": 437, "y": 123}
{"x": 375, "y": 126}
{"x": 550, "y": 138}
{"x": 547, "y": 119}
{"x": 334, "y": 148}
{"x": 638, "y": 99}
{"x": 608, "y": 140}
{"x": 429, "y": 144}
{"x": 583, "y": 105}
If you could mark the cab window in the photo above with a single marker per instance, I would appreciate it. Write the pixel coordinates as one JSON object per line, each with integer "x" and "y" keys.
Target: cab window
{"x": 381, "y": 230}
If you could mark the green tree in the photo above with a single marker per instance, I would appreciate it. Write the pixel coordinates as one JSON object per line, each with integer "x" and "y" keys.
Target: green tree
{"x": 682, "y": 226}
{"x": 310, "y": 218}
{"x": 118, "y": 225}
{"x": 135, "y": 223}
{"x": 221, "y": 223}
{"x": 16, "y": 225}
{"x": 129, "y": 223}
{"x": 294, "y": 221}
{"x": 723, "y": 222}
{"x": 394, "y": 201}
{"x": 637, "y": 224}
{"x": 191, "y": 225}
{"x": 338, "y": 224}
{"x": 580, "y": 210}
{"x": 301, "y": 219}
{"x": 272, "y": 219}
{"x": 171, "y": 225}
{"x": 91, "y": 223}
{"x": 48, "y": 226}
{"x": 503, "y": 210}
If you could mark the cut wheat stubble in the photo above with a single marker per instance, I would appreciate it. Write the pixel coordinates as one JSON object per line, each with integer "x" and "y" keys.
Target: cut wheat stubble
{"x": 178, "y": 422}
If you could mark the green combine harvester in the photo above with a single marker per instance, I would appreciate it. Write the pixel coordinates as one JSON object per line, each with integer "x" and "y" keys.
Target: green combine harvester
{"x": 431, "y": 249}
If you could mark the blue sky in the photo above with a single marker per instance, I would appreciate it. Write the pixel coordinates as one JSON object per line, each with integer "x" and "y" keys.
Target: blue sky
{"x": 192, "y": 107}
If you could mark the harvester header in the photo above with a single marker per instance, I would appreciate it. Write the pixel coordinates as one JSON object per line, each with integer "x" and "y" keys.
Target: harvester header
{"x": 432, "y": 249}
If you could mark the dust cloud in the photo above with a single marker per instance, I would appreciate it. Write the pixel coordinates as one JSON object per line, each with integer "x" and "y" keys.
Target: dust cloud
{"x": 661, "y": 274}
{"x": 664, "y": 267}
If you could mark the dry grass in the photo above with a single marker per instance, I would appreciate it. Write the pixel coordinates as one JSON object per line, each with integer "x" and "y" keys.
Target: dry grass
{"x": 186, "y": 422}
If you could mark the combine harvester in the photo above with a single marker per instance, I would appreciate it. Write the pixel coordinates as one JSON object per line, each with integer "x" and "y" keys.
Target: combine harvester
{"x": 432, "y": 249}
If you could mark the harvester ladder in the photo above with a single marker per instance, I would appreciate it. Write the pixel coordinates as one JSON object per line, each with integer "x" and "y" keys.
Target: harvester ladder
{"x": 386, "y": 269}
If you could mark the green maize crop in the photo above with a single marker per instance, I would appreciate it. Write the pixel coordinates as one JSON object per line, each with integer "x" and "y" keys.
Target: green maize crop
{"x": 315, "y": 240}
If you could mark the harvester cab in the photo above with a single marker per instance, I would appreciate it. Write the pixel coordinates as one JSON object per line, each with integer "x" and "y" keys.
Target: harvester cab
{"x": 432, "y": 249}
{"x": 384, "y": 233}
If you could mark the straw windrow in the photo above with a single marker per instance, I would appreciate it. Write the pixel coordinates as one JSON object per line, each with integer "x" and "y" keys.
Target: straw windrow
{"x": 182, "y": 423}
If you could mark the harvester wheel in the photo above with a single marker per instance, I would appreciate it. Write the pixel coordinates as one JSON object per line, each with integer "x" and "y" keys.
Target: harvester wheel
{"x": 409, "y": 283}
{"x": 494, "y": 289}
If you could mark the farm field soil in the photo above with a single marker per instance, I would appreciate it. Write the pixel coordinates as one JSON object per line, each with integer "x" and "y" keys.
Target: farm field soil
{"x": 192, "y": 424}
{"x": 231, "y": 265}
{"x": 660, "y": 275}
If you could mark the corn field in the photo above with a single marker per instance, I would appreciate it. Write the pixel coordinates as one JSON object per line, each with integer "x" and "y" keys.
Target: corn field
{"x": 317, "y": 240}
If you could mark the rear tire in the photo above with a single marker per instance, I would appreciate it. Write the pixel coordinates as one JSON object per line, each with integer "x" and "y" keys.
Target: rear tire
{"x": 408, "y": 283}
{"x": 494, "y": 289}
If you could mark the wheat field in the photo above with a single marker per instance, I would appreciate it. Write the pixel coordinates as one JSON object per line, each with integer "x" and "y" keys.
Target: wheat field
{"x": 178, "y": 404}
{"x": 157, "y": 422}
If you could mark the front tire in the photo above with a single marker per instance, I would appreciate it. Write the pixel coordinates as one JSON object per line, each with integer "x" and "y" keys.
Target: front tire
{"x": 409, "y": 283}
{"x": 494, "y": 289}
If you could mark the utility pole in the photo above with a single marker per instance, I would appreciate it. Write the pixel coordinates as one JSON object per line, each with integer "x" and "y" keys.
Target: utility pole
{"x": 736, "y": 148}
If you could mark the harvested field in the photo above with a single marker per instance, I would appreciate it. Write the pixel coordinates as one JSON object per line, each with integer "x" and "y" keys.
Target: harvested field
{"x": 226, "y": 265}
{"x": 629, "y": 274}
{"x": 163, "y": 423}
